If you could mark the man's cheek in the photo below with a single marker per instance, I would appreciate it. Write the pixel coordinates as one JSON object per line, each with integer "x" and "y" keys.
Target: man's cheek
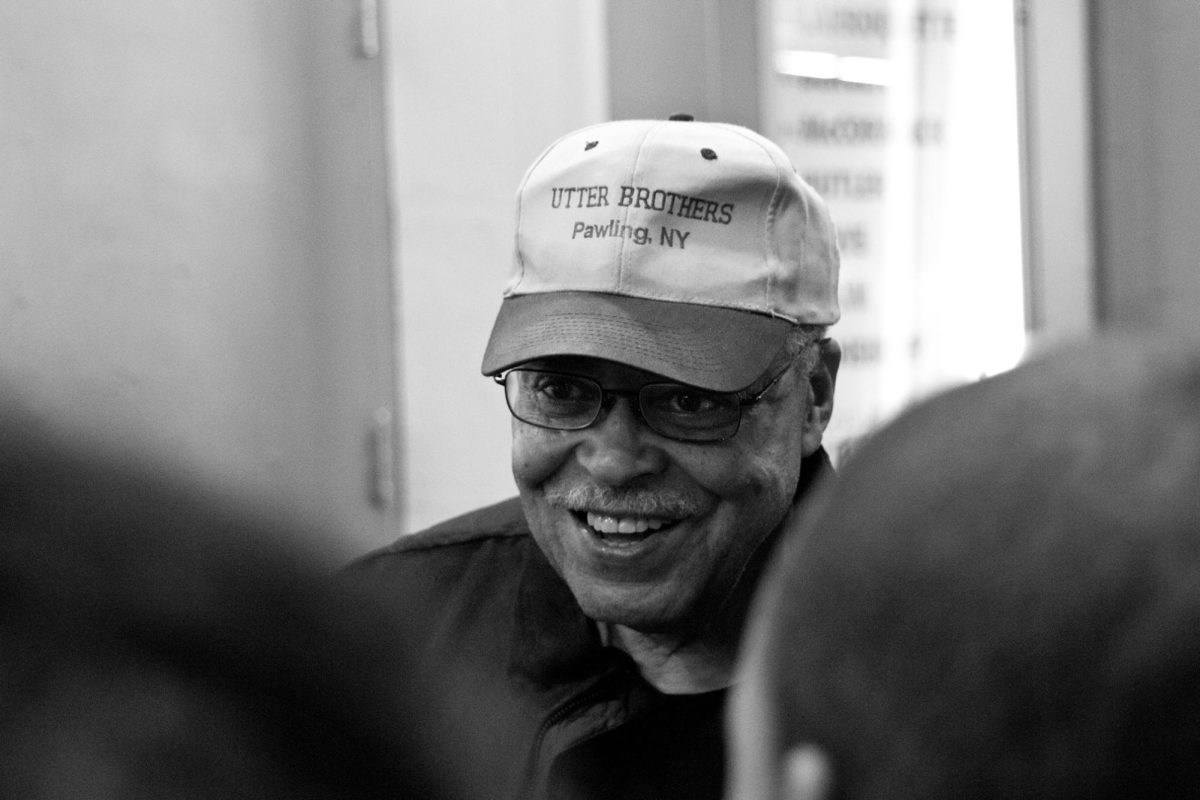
{"x": 537, "y": 454}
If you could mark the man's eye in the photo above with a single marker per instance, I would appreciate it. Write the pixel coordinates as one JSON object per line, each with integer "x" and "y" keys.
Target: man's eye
{"x": 688, "y": 402}
{"x": 561, "y": 390}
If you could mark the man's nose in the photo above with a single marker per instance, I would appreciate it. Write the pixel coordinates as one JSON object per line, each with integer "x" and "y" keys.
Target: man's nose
{"x": 619, "y": 446}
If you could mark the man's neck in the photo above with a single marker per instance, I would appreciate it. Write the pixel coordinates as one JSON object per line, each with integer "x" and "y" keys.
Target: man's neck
{"x": 672, "y": 667}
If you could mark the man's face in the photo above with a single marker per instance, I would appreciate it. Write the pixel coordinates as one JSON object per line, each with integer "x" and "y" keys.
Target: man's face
{"x": 652, "y": 533}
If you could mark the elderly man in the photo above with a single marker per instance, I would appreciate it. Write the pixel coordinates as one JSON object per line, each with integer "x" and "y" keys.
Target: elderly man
{"x": 661, "y": 347}
{"x": 999, "y": 598}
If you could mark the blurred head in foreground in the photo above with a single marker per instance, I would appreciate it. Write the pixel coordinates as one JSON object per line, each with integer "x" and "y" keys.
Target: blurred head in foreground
{"x": 158, "y": 641}
{"x": 999, "y": 598}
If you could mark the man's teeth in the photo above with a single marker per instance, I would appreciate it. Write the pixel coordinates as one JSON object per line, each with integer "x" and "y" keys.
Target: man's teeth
{"x": 607, "y": 523}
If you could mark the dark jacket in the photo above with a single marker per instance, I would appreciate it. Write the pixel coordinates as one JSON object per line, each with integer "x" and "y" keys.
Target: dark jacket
{"x": 572, "y": 717}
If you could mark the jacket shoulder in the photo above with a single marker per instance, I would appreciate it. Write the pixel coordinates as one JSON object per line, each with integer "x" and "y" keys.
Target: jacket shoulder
{"x": 497, "y": 520}
{"x": 454, "y": 585}
{"x": 501, "y": 523}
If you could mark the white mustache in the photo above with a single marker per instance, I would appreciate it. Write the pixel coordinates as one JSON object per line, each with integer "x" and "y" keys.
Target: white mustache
{"x": 626, "y": 502}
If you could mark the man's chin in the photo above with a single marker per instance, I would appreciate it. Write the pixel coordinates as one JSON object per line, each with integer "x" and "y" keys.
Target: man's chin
{"x": 652, "y": 620}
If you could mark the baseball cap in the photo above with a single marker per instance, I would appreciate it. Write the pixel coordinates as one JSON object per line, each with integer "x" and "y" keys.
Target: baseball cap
{"x": 687, "y": 249}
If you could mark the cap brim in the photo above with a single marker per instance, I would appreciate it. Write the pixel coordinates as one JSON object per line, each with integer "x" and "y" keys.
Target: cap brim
{"x": 721, "y": 349}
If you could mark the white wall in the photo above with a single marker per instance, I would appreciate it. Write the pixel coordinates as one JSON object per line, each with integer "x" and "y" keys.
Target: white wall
{"x": 478, "y": 89}
{"x": 179, "y": 242}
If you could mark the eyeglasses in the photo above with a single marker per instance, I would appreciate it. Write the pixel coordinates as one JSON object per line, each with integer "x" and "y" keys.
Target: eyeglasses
{"x": 677, "y": 411}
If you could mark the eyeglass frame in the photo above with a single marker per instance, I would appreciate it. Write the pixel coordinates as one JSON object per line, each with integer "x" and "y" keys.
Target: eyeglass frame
{"x": 502, "y": 380}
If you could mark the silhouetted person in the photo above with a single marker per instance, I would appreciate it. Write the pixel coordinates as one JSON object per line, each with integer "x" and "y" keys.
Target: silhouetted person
{"x": 999, "y": 598}
{"x": 158, "y": 640}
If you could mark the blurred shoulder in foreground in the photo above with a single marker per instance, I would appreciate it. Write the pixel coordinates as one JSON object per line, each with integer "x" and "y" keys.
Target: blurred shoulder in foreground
{"x": 999, "y": 598}
{"x": 160, "y": 641}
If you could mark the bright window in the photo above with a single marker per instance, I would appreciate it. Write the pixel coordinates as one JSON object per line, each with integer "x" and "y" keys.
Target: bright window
{"x": 903, "y": 115}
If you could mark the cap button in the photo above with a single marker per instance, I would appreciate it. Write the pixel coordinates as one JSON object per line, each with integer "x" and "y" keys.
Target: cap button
{"x": 682, "y": 117}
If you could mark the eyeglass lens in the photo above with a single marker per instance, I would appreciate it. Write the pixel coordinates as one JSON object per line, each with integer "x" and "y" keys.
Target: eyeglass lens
{"x": 571, "y": 402}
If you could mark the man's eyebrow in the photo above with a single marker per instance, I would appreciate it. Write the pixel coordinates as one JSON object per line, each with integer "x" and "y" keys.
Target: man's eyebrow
{"x": 752, "y": 389}
{"x": 775, "y": 371}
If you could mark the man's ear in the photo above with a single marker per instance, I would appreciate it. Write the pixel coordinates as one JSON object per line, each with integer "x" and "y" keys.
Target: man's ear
{"x": 806, "y": 774}
{"x": 820, "y": 395}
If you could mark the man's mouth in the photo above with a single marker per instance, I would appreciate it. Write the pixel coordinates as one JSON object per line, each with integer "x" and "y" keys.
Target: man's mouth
{"x": 615, "y": 524}
{"x": 622, "y": 530}
{"x": 628, "y": 517}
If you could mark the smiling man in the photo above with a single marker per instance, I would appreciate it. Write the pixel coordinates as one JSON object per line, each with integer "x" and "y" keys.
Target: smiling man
{"x": 661, "y": 346}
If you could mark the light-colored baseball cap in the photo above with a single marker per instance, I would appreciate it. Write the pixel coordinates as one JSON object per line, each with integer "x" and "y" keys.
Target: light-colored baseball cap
{"x": 687, "y": 249}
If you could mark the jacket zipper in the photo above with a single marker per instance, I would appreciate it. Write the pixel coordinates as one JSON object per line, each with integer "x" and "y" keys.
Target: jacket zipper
{"x": 561, "y": 712}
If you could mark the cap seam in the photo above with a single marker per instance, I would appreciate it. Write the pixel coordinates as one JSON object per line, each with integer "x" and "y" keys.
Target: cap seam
{"x": 624, "y": 253}
{"x": 768, "y": 224}
{"x": 768, "y": 244}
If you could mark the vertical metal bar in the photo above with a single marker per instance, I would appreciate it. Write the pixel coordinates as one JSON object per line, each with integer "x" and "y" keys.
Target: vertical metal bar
{"x": 382, "y": 456}
{"x": 1026, "y": 124}
{"x": 368, "y": 28}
